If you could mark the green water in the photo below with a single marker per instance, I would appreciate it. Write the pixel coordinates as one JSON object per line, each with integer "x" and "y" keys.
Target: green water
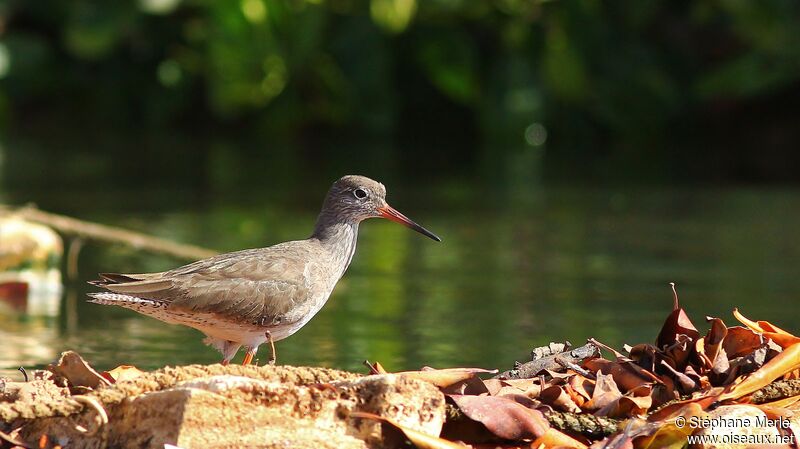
{"x": 516, "y": 269}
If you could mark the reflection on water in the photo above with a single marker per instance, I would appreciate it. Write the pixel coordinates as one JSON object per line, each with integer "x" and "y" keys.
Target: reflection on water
{"x": 567, "y": 263}
{"x": 32, "y": 293}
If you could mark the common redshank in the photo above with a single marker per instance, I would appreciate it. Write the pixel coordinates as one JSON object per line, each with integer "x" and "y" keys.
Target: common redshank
{"x": 249, "y": 297}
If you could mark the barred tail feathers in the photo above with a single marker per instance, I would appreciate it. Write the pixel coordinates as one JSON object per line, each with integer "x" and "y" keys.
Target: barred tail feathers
{"x": 142, "y": 305}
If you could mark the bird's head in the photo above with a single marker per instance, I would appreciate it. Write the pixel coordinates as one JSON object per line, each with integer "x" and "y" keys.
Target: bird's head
{"x": 356, "y": 198}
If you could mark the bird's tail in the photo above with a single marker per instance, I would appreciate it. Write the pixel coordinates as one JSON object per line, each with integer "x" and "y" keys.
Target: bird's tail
{"x": 127, "y": 301}
{"x": 112, "y": 278}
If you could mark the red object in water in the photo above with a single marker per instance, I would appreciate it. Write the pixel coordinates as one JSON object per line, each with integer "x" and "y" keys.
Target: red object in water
{"x": 15, "y": 294}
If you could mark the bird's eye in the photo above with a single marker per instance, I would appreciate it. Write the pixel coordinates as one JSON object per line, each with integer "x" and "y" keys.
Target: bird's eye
{"x": 360, "y": 193}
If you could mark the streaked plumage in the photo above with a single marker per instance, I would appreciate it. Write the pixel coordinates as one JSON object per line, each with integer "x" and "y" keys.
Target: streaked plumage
{"x": 236, "y": 298}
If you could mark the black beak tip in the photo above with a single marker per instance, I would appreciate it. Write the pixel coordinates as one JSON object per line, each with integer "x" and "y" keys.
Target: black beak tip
{"x": 426, "y": 232}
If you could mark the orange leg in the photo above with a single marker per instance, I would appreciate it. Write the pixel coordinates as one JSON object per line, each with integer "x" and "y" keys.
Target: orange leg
{"x": 224, "y": 362}
{"x": 248, "y": 357}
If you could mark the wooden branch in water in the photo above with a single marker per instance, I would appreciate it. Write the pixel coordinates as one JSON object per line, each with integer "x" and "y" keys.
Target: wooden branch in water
{"x": 93, "y": 231}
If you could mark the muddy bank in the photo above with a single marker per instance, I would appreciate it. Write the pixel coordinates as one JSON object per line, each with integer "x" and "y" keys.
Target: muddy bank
{"x": 220, "y": 406}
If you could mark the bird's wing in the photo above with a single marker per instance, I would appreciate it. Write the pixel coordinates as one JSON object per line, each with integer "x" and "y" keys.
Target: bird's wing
{"x": 250, "y": 285}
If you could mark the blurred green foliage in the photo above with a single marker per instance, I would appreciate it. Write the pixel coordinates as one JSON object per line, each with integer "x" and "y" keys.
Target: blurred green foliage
{"x": 688, "y": 89}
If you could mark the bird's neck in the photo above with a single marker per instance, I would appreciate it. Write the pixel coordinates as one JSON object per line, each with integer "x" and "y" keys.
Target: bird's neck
{"x": 339, "y": 238}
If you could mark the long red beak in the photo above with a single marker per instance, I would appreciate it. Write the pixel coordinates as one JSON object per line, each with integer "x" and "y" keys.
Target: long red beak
{"x": 391, "y": 213}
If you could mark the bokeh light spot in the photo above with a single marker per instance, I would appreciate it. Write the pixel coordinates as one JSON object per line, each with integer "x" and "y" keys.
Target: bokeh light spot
{"x": 275, "y": 76}
{"x": 5, "y": 60}
{"x": 535, "y": 134}
{"x": 169, "y": 72}
{"x": 393, "y": 15}
{"x": 255, "y": 11}
{"x": 158, "y": 6}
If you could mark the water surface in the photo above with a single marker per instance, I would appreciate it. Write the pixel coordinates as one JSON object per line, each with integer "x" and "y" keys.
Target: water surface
{"x": 514, "y": 271}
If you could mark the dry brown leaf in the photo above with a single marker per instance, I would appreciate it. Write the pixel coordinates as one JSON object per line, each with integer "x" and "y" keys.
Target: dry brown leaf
{"x": 635, "y": 402}
{"x": 662, "y": 433}
{"x": 78, "y": 373}
{"x": 721, "y": 363}
{"x": 501, "y": 446}
{"x": 627, "y": 374}
{"x": 616, "y": 441}
{"x": 420, "y": 439}
{"x": 529, "y": 387}
{"x": 522, "y": 384}
{"x": 677, "y": 323}
{"x": 712, "y": 342}
{"x": 786, "y": 403}
{"x": 645, "y": 355}
{"x": 121, "y": 373}
{"x": 785, "y": 362}
{"x": 781, "y": 337}
{"x": 609, "y": 402}
{"x": 782, "y": 340}
{"x": 666, "y": 436}
{"x": 606, "y": 393}
{"x": 472, "y": 385}
{"x": 576, "y": 397}
{"x": 556, "y": 439}
{"x": 686, "y": 383}
{"x": 493, "y": 386}
{"x": 375, "y": 368}
{"x": 773, "y": 412}
{"x": 503, "y": 417}
{"x": 741, "y": 341}
{"x": 792, "y": 375}
{"x": 678, "y": 408}
{"x": 759, "y": 326}
{"x": 557, "y": 397}
{"x": 700, "y": 352}
{"x": 582, "y": 386}
{"x": 444, "y": 378}
{"x": 665, "y": 392}
{"x": 677, "y": 354}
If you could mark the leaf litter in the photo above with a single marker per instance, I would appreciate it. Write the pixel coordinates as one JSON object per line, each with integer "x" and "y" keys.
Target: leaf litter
{"x": 570, "y": 397}
{"x": 631, "y": 399}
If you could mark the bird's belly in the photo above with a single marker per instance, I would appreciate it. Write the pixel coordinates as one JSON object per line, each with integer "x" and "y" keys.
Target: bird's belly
{"x": 246, "y": 333}
{"x": 223, "y": 329}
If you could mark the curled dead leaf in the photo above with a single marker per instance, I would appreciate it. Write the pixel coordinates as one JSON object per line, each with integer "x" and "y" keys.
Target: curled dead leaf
{"x": 122, "y": 373}
{"x": 77, "y": 372}
{"x": 557, "y": 397}
{"x": 759, "y": 326}
{"x": 555, "y": 438}
{"x": 740, "y": 341}
{"x": 662, "y": 432}
{"x": 526, "y": 387}
{"x": 444, "y": 378}
{"x": 503, "y": 417}
{"x": 605, "y": 393}
{"x": 627, "y": 374}
{"x": 676, "y": 324}
{"x": 785, "y": 362}
{"x": 582, "y": 386}
{"x": 712, "y": 342}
